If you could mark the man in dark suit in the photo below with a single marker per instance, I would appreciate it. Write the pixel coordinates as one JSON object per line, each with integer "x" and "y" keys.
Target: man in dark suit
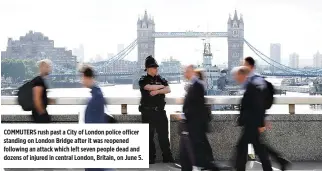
{"x": 260, "y": 82}
{"x": 252, "y": 119}
{"x": 196, "y": 123}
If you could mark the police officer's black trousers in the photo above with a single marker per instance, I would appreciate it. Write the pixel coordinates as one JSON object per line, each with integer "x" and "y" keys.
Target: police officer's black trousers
{"x": 251, "y": 135}
{"x": 158, "y": 121}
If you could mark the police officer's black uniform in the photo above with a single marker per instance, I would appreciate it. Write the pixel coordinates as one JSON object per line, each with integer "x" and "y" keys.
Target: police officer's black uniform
{"x": 152, "y": 110}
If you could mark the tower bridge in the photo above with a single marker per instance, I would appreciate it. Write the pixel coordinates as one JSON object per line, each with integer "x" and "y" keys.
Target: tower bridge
{"x": 145, "y": 44}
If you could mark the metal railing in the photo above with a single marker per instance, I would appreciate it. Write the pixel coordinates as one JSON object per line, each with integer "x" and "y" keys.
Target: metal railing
{"x": 291, "y": 101}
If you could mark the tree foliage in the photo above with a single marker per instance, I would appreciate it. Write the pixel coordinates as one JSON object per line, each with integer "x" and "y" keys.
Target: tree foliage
{"x": 18, "y": 69}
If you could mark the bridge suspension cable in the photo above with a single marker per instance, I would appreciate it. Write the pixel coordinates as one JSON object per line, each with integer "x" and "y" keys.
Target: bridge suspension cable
{"x": 283, "y": 67}
{"x": 119, "y": 56}
{"x": 260, "y": 54}
{"x": 102, "y": 64}
{"x": 266, "y": 60}
{"x": 131, "y": 48}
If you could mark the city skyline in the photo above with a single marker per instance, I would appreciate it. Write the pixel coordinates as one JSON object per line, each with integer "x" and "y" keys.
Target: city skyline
{"x": 104, "y": 25}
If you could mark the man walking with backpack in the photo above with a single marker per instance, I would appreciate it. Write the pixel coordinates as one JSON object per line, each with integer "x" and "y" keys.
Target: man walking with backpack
{"x": 251, "y": 119}
{"x": 39, "y": 93}
{"x": 268, "y": 91}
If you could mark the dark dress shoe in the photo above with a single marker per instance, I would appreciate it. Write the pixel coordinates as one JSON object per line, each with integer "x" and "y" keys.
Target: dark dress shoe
{"x": 168, "y": 160}
{"x": 151, "y": 161}
{"x": 284, "y": 163}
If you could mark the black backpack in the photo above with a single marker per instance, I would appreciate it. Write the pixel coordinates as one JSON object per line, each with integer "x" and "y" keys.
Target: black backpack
{"x": 25, "y": 97}
{"x": 268, "y": 93}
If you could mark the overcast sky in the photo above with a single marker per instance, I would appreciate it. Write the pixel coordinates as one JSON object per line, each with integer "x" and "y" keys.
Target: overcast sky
{"x": 102, "y": 24}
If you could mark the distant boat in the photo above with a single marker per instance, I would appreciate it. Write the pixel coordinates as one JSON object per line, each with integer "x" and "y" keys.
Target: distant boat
{"x": 105, "y": 84}
{"x": 9, "y": 91}
{"x": 174, "y": 82}
{"x": 14, "y": 92}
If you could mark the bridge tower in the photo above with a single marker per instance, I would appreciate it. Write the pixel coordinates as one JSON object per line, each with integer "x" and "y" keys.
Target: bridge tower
{"x": 145, "y": 43}
{"x": 145, "y": 38}
{"x": 235, "y": 30}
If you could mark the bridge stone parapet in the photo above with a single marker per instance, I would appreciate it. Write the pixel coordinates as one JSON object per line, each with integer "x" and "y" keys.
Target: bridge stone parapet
{"x": 295, "y": 136}
{"x": 298, "y": 136}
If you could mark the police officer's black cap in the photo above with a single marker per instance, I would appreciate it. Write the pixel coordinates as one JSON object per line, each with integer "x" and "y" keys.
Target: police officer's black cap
{"x": 150, "y": 62}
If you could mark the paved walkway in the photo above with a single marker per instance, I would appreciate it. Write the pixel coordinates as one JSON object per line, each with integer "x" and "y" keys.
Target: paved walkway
{"x": 251, "y": 166}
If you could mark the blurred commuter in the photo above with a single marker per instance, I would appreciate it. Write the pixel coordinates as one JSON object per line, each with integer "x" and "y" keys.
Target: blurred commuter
{"x": 262, "y": 84}
{"x": 251, "y": 118}
{"x": 39, "y": 93}
{"x": 194, "y": 144}
{"x": 94, "y": 112}
{"x": 153, "y": 88}
{"x": 202, "y": 77}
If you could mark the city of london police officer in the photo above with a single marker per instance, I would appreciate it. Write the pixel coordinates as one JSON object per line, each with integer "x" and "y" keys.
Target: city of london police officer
{"x": 153, "y": 89}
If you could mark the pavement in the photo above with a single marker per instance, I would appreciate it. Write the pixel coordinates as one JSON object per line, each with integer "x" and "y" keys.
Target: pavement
{"x": 251, "y": 166}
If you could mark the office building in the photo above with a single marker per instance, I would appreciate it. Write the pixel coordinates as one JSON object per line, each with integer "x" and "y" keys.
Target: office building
{"x": 79, "y": 53}
{"x": 120, "y": 47}
{"x": 36, "y": 46}
{"x": 294, "y": 60}
{"x": 317, "y": 60}
{"x": 110, "y": 55}
{"x": 275, "y": 54}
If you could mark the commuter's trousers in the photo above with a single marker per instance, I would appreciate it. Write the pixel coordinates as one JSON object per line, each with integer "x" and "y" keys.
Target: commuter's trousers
{"x": 187, "y": 157}
{"x": 197, "y": 140}
{"x": 158, "y": 121}
{"x": 270, "y": 150}
{"x": 251, "y": 135}
{"x": 202, "y": 149}
{"x": 97, "y": 169}
{"x": 41, "y": 118}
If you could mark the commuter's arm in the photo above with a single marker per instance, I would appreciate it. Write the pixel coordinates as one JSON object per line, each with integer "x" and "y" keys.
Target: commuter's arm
{"x": 261, "y": 84}
{"x": 195, "y": 102}
{"x": 96, "y": 110}
{"x": 51, "y": 101}
{"x": 199, "y": 94}
{"x": 38, "y": 101}
{"x": 253, "y": 106}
